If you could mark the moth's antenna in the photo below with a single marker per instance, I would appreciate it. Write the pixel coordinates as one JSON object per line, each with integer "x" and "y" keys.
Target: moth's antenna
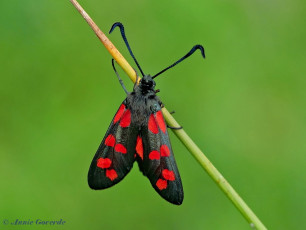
{"x": 183, "y": 58}
{"x": 126, "y": 42}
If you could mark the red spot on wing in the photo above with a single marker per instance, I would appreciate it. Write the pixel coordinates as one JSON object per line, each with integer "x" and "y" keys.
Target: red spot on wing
{"x": 110, "y": 140}
{"x": 161, "y": 184}
{"x": 152, "y": 124}
{"x": 164, "y": 151}
{"x": 139, "y": 147}
{"x": 154, "y": 155}
{"x": 120, "y": 148}
{"x": 160, "y": 121}
{"x": 111, "y": 174}
{"x": 104, "y": 163}
{"x": 126, "y": 119}
{"x": 119, "y": 113}
{"x": 168, "y": 175}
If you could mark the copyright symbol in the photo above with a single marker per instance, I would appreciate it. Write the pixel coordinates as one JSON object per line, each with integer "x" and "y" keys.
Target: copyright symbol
{"x": 5, "y": 221}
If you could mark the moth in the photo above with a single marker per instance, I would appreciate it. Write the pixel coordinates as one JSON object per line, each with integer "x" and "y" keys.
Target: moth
{"x": 138, "y": 132}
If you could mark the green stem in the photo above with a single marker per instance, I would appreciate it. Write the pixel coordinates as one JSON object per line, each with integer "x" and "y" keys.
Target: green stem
{"x": 180, "y": 133}
{"x": 214, "y": 173}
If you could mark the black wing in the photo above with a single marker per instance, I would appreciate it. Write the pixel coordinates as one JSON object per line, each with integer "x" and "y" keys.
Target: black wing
{"x": 115, "y": 155}
{"x": 156, "y": 160}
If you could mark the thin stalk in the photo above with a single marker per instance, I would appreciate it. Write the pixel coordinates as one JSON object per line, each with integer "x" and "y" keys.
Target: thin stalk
{"x": 248, "y": 214}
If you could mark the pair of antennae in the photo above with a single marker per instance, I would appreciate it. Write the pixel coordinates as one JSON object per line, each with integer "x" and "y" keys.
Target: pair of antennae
{"x": 175, "y": 63}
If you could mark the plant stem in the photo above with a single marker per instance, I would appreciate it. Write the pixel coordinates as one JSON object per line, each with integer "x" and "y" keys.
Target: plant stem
{"x": 180, "y": 133}
{"x": 214, "y": 173}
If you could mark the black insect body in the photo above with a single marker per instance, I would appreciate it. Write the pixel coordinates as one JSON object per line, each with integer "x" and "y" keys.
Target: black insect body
{"x": 139, "y": 132}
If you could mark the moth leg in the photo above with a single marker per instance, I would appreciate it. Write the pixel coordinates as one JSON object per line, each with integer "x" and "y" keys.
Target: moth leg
{"x": 157, "y": 91}
{"x": 137, "y": 77}
{"x": 170, "y": 127}
{"x": 172, "y": 112}
{"x": 119, "y": 78}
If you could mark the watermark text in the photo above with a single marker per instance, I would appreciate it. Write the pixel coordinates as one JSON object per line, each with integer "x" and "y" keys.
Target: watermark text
{"x": 38, "y": 221}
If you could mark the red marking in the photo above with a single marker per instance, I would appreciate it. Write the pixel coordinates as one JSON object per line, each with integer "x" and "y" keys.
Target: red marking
{"x": 161, "y": 184}
{"x": 152, "y": 124}
{"x": 110, "y": 140}
{"x": 111, "y": 174}
{"x": 160, "y": 121}
{"x": 154, "y": 155}
{"x": 168, "y": 175}
{"x": 126, "y": 119}
{"x": 164, "y": 151}
{"x": 104, "y": 163}
{"x": 139, "y": 147}
{"x": 120, "y": 148}
{"x": 119, "y": 113}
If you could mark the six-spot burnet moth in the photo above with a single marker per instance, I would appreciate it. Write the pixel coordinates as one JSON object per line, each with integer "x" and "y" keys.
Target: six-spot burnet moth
{"x": 138, "y": 132}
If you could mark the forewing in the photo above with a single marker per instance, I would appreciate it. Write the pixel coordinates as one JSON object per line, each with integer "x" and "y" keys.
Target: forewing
{"x": 156, "y": 160}
{"x": 115, "y": 155}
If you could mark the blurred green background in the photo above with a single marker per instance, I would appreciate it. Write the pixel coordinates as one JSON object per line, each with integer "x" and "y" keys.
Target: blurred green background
{"x": 244, "y": 106}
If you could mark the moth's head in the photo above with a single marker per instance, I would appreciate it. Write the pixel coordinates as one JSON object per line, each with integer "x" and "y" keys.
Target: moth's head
{"x": 147, "y": 83}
